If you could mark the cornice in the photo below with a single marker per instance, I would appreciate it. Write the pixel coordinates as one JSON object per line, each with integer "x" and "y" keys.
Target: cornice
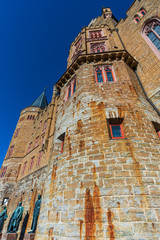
{"x": 96, "y": 57}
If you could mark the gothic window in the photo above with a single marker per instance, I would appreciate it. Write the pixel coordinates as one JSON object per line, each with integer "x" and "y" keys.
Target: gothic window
{"x": 136, "y": 19}
{"x": 4, "y": 169}
{"x": 98, "y": 47}
{"x": 109, "y": 74}
{"x": 99, "y": 75}
{"x": 104, "y": 74}
{"x": 10, "y": 151}
{"x": 77, "y": 49}
{"x": 116, "y": 131}
{"x": 71, "y": 88}
{"x": 28, "y": 117}
{"x": 24, "y": 168}
{"x": 151, "y": 33}
{"x": 95, "y": 34}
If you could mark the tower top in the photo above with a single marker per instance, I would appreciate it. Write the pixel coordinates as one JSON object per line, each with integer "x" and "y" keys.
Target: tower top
{"x": 41, "y": 101}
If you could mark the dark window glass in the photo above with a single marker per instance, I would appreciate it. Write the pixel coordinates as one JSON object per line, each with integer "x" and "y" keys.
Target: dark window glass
{"x": 99, "y": 76}
{"x": 74, "y": 88}
{"x": 69, "y": 94}
{"x": 154, "y": 40}
{"x": 157, "y": 29}
{"x": 109, "y": 75}
{"x": 116, "y": 131}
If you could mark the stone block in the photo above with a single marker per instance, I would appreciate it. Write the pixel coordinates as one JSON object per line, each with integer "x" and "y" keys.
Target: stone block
{"x": 10, "y": 236}
{"x": 29, "y": 236}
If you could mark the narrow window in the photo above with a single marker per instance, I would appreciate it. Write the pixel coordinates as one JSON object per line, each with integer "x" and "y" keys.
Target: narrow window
{"x": 36, "y": 142}
{"x": 10, "y": 151}
{"x": 42, "y": 139}
{"x": 69, "y": 92}
{"x": 116, "y": 131}
{"x": 39, "y": 158}
{"x": 28, "y": 117}
{"x": 62, "y": 139}
{"x": 142, "y": 12}
{"x": 98, "y": 47}
{"x": 24, "y": 168}
{"x": 109, "y": 74}
{"x": 99, "y": 75}
{"x": 17, "y": 132}
{"x": 29, "y": 147}
{"x": 4, "y": 169}
{"x": 136, "y": 19}
{"x": 31, "y": 163}
{"x": 71, "y": 88}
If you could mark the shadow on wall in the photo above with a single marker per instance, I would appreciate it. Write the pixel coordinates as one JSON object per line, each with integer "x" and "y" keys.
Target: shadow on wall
{"x": 24, "y": 225}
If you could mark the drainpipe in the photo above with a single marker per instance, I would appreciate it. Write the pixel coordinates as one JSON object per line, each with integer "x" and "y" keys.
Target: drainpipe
{"x": 117, "y": 31}
{"x": 145, "y": 94}
{"x": 135, "y": 71}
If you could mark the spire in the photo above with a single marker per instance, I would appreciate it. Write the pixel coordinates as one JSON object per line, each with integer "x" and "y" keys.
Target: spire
{"x": 41, "y": 101}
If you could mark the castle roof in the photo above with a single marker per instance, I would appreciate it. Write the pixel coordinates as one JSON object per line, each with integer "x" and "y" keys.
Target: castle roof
{"x": 41, "y": 101}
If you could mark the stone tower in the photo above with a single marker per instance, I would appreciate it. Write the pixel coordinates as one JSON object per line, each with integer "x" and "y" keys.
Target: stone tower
{"x": 98, "y": 172}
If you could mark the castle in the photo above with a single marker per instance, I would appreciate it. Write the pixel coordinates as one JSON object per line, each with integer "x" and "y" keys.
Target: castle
{"x": 93, "y": 152}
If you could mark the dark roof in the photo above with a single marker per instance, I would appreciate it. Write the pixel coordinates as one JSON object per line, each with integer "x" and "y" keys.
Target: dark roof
{"x": 41, "y": 101}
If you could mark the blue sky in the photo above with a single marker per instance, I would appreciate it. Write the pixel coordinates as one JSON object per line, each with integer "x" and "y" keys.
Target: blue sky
{"x": 35, "y": 36}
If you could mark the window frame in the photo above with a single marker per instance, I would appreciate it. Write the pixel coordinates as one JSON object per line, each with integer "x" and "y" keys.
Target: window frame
{"x": 104, "y": 74}
{"x": 135, "y": 19}
{"x": 70, "y": 88}
{"x": 111, "y": 131}
{"x": 146, "y": 38}
{"x": 111, "y": 73}
{"x": 24, "y": 168}
{"x": 142, "y": 10}
{"x": 32, "y": 163}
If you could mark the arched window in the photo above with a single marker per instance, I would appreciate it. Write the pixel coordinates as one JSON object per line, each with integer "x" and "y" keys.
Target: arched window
{"x": 136, "y": 19}
{"x": 151, "y": 33}
{"x": 28, "y": 117}
{"x": 99, "y": 75}
{"x": 109, "y": 74}
{"x": 142, "y": 12}
{"x": 98, "y": 47}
